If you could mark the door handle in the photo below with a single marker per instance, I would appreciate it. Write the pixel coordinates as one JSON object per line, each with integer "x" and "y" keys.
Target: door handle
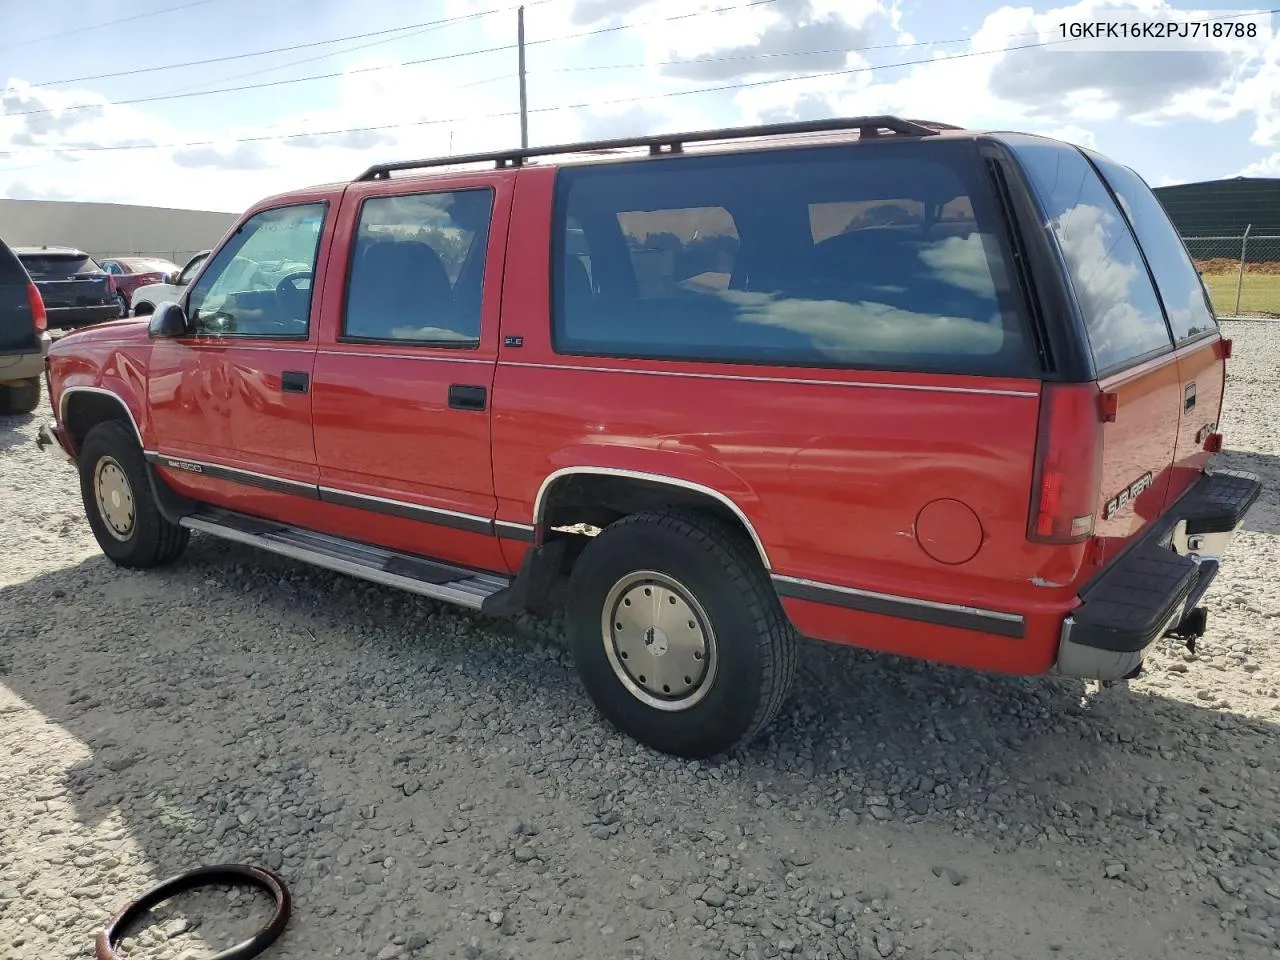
{"x": 1189, "y": 396}
{"x": 465, "y": 397}
{"x": 294, "y": 381}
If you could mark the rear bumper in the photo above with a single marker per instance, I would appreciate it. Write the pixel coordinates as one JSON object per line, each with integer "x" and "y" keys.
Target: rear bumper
{"x": 24, "y": 366}
{"x": 80, "y": 316}
{"x": 1152, "y": 587}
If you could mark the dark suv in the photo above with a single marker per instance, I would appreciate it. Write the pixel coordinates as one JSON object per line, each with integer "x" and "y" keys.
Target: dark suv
{"x": 77, "y": 291}
{"x": 23, "y": 338}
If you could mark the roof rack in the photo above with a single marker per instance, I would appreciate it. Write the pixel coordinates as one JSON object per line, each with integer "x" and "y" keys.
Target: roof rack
{"x": 867, "y": 127}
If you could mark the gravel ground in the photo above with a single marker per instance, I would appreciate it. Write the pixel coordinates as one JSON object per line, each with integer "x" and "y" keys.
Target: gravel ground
{"x": 434, "y": 784}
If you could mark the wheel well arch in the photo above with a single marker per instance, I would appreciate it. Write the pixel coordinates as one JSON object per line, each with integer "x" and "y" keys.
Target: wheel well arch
{"x": 80, "y": 409}
{"x": 597, "y": 496}
{"x": 142, "y": 308}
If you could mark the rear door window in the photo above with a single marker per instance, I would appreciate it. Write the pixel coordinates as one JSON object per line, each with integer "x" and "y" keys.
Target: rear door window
{"x": 887, "y": 256}
{"x": 1186, "y": 302}
{"x": 1121, "y": 311}
{"x": 417, "y": 269}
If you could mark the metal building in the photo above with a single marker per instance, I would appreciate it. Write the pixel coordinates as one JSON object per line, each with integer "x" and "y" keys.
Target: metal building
{"x": 1223, "y": 210}
{"x": 112, "y": 229}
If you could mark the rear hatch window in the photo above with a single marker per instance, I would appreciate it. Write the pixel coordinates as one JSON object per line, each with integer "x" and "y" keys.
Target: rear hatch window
{"x": 1121, "y": 313}
{"x": 58, "y": 267}
{"x": 1186, "y": 302}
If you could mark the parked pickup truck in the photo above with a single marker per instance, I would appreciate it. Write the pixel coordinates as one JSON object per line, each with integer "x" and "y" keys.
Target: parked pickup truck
{"x": 948, "y": 394}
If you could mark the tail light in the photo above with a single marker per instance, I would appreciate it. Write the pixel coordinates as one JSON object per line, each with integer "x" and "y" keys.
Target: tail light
{"x": 111, "y": 284}
{"x": 1068, "y": 469}
{"x": 38, "y": 313}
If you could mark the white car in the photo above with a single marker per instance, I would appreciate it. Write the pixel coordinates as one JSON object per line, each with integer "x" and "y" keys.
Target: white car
{"x": 145, "y": 299}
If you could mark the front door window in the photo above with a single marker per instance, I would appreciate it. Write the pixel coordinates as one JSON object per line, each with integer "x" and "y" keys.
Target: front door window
{"x": 259, "y": 283}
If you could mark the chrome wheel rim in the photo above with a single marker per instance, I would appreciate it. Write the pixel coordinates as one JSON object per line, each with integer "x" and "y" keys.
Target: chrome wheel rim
{"x": 659, "y": 641}
{"x": 114, "y": 496}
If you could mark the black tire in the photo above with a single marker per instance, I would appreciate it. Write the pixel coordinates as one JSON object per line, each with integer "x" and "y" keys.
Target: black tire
{"x": 751, "y": 662}
{"x": 124, "y": 305}
{"x": 21, "y": 396}
{"x": 148, "y": 540}
{"x": 143, "y": 309}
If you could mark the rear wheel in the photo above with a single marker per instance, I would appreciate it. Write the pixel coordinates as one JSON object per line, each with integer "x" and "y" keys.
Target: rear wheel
{"x": 677, "y": 633}
{"x": 118, "y": 502}
{"x": 22, "y": 396}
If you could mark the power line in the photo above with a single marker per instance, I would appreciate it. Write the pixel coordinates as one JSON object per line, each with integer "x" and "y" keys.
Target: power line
{"x": 296, "y": 46}
{"x": 99, "y": 26}
{"x": 94, "y": 148}
{"x": 691, "y": 61}
{"x": 566, "y": 106}
{"x": 408, "y": 63}
{"x": 332, "y": 53}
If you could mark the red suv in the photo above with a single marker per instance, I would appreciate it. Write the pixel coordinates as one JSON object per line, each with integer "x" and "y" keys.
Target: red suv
{"x": 937, "y": 392}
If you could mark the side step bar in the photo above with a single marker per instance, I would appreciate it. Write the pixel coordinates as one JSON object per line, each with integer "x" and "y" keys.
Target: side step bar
{"x": 429, "y": 578}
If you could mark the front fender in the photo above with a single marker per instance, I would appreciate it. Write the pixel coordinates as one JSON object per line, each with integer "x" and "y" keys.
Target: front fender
{"x": 121, "y": 380}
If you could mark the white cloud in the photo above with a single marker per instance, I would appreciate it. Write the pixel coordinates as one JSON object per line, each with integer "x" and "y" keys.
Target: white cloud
{"x": 1266, "y": 167}
{"x": 989, "y": 82}
{"x": 396, "y": 111}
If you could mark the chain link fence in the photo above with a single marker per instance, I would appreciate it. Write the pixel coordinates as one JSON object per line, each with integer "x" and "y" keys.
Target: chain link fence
{"x": 1242, "y": 273}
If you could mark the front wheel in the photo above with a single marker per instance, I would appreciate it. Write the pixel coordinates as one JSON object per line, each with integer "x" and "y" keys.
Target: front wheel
{"x": 678, "y": 635}
{"x": 118, "y": 501}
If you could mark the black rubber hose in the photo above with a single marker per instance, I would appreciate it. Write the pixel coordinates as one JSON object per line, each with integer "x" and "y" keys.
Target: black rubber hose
{"x": 234, "y": 874}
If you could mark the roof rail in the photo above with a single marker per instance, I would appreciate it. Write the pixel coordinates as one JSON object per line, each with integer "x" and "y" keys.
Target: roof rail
{"x": 867, "y": 128}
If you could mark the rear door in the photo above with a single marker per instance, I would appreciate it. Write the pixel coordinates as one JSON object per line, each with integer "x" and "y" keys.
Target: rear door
{"x": 1201, "y": 370}
{"x": 404, "y": 374}
{"x": 1128, "y": 337}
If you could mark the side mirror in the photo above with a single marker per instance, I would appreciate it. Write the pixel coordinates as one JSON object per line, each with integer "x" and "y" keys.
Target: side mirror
{"x": 169, "y": 321}
{"x": 171, "y": 278}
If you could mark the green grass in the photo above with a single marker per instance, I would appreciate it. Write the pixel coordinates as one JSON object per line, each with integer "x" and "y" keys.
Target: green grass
{"x": 1259, "y": 294}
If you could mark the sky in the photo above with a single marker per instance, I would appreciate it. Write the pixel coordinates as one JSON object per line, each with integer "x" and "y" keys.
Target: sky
{"x": 128, "y": 101}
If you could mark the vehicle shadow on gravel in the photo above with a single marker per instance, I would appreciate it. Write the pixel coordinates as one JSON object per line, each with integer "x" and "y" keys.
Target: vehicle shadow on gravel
{"x": 211, "y": 726}
{"x": 11, "y": 427}
{"x": 1265, "y": 515}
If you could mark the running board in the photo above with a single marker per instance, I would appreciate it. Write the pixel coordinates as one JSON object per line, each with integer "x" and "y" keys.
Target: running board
{"x": 428, "y": 578}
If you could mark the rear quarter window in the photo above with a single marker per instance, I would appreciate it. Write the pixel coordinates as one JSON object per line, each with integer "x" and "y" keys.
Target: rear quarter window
{"x": 886, "y": 256}
{"x": 1121, "y": 312}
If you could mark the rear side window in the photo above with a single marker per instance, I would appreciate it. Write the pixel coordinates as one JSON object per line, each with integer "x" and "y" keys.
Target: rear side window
{"x": 886, "y": 256}
{"x": 42, "y": 267}
{"x": 417, "y": 268}
{"x": 1121, "y": 312}
{"x": 1186, "y": 302}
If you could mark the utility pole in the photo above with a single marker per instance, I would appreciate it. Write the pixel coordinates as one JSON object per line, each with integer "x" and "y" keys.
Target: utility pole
{"x": 524, "y": 99}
